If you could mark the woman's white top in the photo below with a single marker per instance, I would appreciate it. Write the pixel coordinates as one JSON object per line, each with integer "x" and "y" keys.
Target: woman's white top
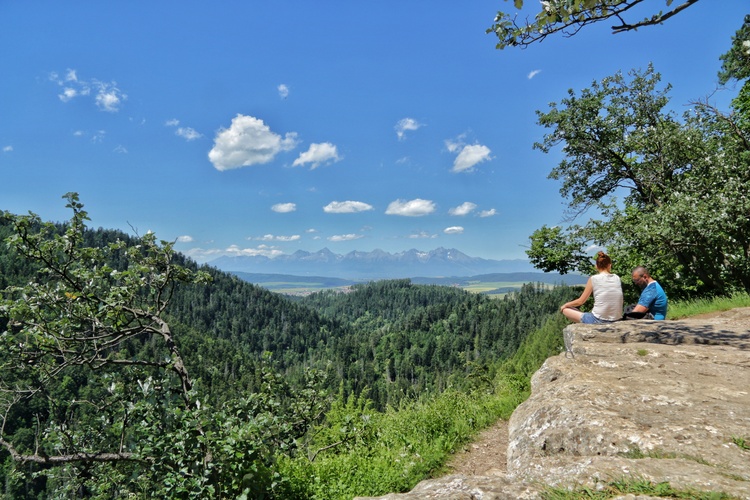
{"x": 607, "y": 296}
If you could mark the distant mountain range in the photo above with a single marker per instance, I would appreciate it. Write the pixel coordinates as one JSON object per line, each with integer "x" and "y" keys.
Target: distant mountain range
{"x": 374, "y": 265}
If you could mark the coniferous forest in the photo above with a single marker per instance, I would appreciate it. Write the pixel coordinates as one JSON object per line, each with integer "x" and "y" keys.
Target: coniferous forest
{"x": 131, "y": 369}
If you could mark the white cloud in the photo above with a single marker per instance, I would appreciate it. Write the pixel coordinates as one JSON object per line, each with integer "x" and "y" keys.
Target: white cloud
{"x": 404, "y": 125}
{"x": 488, "y": 213}
{"x": 7, "y": 149}
{"x": 185, "y": 239}
{"x": 248, "y": 141}
{"x": 311, "y": 230}
{"x": 264, "y": 250}
{"x": 120, "y": 149}
{"x": 188, "y": 133}
{"x": 470, "y": 156}
{"x": 108, "y": 97}
{"x": 412, "y": 208}
{"x": 272, "y": 237}
{"x": 453, "y": 230}
{"x": 172, "y": 122}
{"x": 345, "y": 237}
{"x": 283, "y": 91}
{"x": 534, "y": 73}
{"x": 317, "y": 155}
{"x": 463, "y": 209}
{"x": 67, "y": 94}
{"x": 346, "y": 207}
{"x": 422, "y": 235}
{"x": 284, "y": 208}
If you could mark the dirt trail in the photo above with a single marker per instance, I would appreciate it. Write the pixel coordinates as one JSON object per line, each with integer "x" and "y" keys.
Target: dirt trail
{"x": 483, "y": 456}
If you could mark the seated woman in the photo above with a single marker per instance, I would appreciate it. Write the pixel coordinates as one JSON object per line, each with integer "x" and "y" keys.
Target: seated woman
{"x": 607, "y": 289}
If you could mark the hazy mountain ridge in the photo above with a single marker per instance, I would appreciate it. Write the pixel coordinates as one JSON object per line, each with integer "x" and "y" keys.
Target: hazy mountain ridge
{"x": 377, "y": 264}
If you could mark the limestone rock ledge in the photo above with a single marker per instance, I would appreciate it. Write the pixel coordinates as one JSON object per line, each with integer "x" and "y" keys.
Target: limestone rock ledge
{"x": 654, "y": 400}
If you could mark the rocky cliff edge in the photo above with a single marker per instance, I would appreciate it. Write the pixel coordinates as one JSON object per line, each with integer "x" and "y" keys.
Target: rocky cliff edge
{"x": 663, "y": 401}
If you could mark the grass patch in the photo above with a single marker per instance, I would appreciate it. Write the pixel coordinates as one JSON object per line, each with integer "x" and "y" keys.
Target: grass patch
{"x": 642, "y": 352}
{"x": 742, "y": 442}
{"x": 632, "y": 486}
{"x": 684, "y": 308}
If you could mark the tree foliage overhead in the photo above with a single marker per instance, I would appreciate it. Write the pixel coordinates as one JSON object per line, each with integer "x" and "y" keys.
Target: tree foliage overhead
{"x": 568, "y": 17}
{"x": 672, "y": 194}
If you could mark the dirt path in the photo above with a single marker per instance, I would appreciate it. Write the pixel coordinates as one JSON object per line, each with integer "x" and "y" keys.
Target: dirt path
{"x": 486, "y": 455}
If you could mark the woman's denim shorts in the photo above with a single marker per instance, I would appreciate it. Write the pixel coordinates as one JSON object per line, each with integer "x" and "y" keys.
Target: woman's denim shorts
{"x": 590, "y": 319}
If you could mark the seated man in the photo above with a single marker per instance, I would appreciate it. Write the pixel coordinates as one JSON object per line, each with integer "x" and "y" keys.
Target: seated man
{"x": 653, "y": 299}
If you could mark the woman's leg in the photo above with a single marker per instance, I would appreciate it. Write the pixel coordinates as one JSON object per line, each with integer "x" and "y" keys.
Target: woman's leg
{"x": 572, "y": 314}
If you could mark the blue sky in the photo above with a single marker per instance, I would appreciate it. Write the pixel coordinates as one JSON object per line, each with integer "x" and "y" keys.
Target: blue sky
{"x": 269, "y": 127}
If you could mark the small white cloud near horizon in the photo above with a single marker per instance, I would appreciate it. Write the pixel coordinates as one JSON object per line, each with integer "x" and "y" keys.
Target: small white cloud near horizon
{"x": 533, "y": 73}
{"x": 488, "y": 213}
{"x": 248, "y": 141}
{"x": 412, "y": 208}
{"x": 283, "y": 91}
{"x": 185, "y": 239}
{"x": 453, "y": 230}
{"x": 272, "y": 237}
{"x": 404, "y": 125}
{"x": 422, "y": 235}
{"x": 284, "y": 208}
{"x": 463, "y": 209}
{"x": 346, "y": 207}
{"x": 344, "y": 237}
{"x": 204, "y": 254}
{"x": 317, "y": 155}
{"x": 7, "y": 149}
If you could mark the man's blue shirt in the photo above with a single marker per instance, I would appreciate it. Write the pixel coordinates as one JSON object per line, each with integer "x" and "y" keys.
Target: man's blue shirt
{"x": 654, "y": 298}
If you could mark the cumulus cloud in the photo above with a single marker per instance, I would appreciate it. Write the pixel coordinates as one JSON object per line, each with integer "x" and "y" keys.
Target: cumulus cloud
{"x": 345, "y": 237}
{"x": 464, "y": 208}
{"x": 346, "y": 207}
{"x": 184, "y": 239}
{"x": 248, "y": 141}
{"x": 120, "y": 149}
{"x": 468, "y": 155}
{"x": 272, "y": 237}
{"x": 488, "y": 213}
{"x": 204, "y": 254}
{"x": 412, "y": 208}
{"x": 534, "y": 73}
{"x": 404, "y": 125}
{"x": 107, "y": 95}
{"x": 317, "y": 155}
{"x": 7, "y": 149}
{"x": 453, "y": 230}
{"x": 172, "y": 122}
{"x": 284, "y": 208}
{"x": 283, "y": 91}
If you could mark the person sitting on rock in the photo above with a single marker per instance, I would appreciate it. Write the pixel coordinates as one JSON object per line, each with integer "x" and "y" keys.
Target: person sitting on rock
{"x": 607, "y": 290}
{"x": 653, "y": 299}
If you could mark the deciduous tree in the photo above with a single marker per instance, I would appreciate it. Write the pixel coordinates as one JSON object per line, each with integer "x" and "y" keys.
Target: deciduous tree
{"x": 568, "y": 17}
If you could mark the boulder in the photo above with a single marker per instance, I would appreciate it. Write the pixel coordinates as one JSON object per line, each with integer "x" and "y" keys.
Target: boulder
{"x": 663, "y": 401}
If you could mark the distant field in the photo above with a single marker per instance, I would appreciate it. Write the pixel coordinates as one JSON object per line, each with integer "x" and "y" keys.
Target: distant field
{"x": 492, "y": 284}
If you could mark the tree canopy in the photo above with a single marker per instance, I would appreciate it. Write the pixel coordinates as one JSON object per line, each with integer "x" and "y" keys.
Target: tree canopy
{"x": 670, "y": 194}
{"x": 568, "y": 17}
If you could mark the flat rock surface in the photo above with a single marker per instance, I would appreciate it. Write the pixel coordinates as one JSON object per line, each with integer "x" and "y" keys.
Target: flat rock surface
{"x": 655, "y": 400}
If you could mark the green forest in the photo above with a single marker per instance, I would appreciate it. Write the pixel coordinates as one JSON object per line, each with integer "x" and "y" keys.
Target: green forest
{"x": 129, "y": 371}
